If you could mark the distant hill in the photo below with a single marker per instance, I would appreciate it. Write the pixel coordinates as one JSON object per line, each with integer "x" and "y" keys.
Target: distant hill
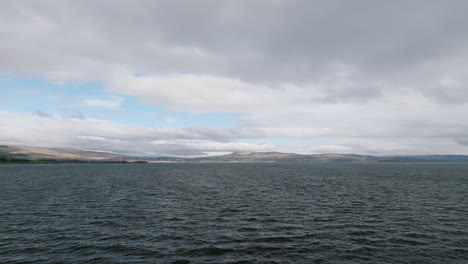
{"x": 426, "y": 158}
{"x": 285, "y": 157}
{"x": 333, "y": 157}
{"x": 24, "y": 154}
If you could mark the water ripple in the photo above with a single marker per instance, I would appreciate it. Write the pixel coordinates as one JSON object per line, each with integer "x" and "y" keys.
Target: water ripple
{"x": 234, "y": 213}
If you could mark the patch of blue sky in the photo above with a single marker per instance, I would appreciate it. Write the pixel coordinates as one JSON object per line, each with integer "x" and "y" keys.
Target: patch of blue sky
{"x": 26, "y": 95}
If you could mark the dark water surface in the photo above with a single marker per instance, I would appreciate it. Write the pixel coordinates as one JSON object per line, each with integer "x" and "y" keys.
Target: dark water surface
{"x": 234, "y": 213}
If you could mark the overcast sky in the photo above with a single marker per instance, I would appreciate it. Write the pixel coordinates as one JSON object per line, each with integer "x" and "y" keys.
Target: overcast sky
{"x": 209, "y": 77}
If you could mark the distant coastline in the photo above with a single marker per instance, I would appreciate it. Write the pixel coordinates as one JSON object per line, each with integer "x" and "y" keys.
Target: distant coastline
{"x": 34, "y": 155}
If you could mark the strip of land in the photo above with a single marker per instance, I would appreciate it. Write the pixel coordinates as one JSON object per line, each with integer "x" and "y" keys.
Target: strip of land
{"x": 35, "y": 155}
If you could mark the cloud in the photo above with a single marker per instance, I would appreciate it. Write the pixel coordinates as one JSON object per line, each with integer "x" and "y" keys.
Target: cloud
{"x": 170, "y": 119}
{"x": 77, "y": 114}
{"x": 113, "y": 102}
{"x": 226, "y": 47}
{"x": 363, "y": 75}
{"x": 200, "y": 93}
{"x": 110, "y": 136}
{"x": 41, "y": 113}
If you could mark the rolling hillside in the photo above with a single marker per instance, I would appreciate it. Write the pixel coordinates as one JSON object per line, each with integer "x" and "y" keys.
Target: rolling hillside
{"x": 14, "y": 154}
{"x": 22, "y": 153}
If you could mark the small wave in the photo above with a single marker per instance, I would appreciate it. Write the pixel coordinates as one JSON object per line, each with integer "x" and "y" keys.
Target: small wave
{"x": 181, "y": 261}
{"x": 207, "y": 251}
{"x": 275, "y": 239}
{"x": 405, "y": 241}
{"x": 247, "y": 229}
{"x": 362, "y": 233}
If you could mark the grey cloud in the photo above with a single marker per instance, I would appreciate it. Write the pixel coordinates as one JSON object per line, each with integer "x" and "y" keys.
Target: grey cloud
{"x": 267, "y": 42}
{"x": 41, "y": 113}
{"x": 77, "y": 114}
{"x": 349, "y": 71}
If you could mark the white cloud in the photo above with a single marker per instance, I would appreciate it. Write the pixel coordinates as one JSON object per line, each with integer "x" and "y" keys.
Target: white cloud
{"x": 170, "y": 119}
{"x": 199, "y": 93}
{"x": 92, "y": 137}
{"x": 110, "y": 136}
{"x": 394, "y": 86}
{"x": 211, "y": 146}
{"x": 114, "y": 102}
